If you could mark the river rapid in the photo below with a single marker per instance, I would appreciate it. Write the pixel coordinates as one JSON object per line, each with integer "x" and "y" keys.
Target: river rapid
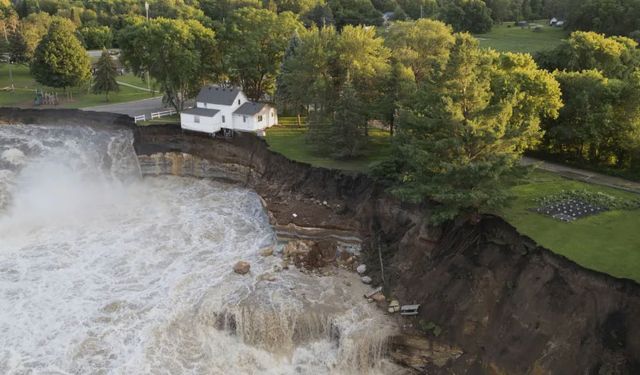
{"x": 104, "y": 271}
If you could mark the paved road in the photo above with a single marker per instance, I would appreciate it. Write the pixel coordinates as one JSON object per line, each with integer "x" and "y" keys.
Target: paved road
{"x": 586, "y": 176}
{"x": 135, "y": 108}
{"x": 98, "y": 52}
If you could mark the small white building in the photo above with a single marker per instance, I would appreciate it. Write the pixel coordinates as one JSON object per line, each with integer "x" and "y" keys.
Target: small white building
{"x": 219, "y": 108}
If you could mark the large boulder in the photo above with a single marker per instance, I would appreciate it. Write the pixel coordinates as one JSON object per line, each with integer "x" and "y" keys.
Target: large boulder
{"x": 242, "y": 267}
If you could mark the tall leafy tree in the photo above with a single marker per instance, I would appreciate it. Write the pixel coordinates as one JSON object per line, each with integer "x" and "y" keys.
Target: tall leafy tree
{"x": 460, "y": 143}
{"x": 421, "y": 45}
{"x": 600, "y": 122}
{"x": 255, "y": 41}
{"x": 60, "y": 60}
{"x": 347, "y": 131}
{"x": 105, "y": 77}
{"x": 28, "y": 34}
{"x": 180, "y": 55}
{"x": 616, "y": 57}
{"x": 467, "y": 15}
{"x": 354, "y": 12}
{"x": 363, "y": 60}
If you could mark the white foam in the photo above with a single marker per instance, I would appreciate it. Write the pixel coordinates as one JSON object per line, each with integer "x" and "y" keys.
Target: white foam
{"x": 104, "y": 272}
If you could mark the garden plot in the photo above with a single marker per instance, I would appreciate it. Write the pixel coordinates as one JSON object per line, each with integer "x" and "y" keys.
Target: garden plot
{"x": 568, "y": 206}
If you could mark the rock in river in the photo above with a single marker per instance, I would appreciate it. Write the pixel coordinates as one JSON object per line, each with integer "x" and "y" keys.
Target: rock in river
{"x": 242, "y": 267}
{"x": 362, "y": 269}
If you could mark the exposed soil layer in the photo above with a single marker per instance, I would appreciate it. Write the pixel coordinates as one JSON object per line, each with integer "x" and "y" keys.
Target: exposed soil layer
{"x": 501, "y": 303}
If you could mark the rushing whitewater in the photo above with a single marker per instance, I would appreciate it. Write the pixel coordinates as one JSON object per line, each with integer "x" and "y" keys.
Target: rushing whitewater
{"x": 103, "y": 271}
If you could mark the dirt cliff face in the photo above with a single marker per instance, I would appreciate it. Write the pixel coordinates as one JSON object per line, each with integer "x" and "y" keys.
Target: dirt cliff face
{"x": 492, "y": 301}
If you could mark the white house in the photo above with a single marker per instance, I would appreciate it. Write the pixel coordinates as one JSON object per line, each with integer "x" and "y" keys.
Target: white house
{"x": 220, "y": 108}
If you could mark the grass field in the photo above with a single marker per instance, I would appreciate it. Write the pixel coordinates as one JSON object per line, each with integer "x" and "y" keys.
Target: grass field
{"x": 290, "y": 142}
{"x": 509, "y": 38}
{"x": 25, "y": 86}
{"x": 608, "y": 242}
{"x": 173, "y": 120}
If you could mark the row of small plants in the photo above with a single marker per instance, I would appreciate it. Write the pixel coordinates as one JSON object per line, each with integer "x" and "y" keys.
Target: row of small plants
{"x": 595, "y": 198}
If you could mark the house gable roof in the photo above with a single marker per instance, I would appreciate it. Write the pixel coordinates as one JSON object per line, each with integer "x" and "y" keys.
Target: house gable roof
{"x": 207, "y": 112}
{"x": 250, "y": 108}
{"x": 218, "y": 95}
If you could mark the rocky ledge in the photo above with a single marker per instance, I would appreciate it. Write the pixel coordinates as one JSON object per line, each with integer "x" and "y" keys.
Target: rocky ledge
{"x": 492, "y": 301}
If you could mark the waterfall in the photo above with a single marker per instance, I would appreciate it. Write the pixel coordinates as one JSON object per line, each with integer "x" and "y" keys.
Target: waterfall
{"x": 105, "y": 271}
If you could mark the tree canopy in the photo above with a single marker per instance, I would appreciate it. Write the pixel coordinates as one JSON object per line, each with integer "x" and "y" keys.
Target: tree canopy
{"x": 460, "y": 141}
{"x": 105, "y": 77}
{"x": 180, "y": 55}
{"x": 60, "y": 60}
{"x": 254, "y": 41}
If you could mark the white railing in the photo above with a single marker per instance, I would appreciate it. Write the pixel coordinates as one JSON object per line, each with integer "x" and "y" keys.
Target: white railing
{"x": 169, "y": 112}
{"x": 140, "y": 118}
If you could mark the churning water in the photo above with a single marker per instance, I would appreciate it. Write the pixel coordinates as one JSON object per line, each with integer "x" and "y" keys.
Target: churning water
{"x": 103, "y": 271}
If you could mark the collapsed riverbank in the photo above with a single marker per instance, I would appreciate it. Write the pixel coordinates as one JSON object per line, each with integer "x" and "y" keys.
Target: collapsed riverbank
{"x": 492, "y": 301}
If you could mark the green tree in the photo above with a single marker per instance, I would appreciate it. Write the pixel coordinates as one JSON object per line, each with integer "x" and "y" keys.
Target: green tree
{"x": 297, "y": 6}
{"x": 60, "y": 61}
{"x": 354, "y": 12}
{"x": 105, "y": 77}
{"x": 320, "y": 16}
{"x": 417, "y": 9}
{"x": 220, "y": 10}
{"x": 460, "y": 143}
{"x": 29, "y": 33}
{"x": 96, "y": 37}
{"x": 421, "y": 45}
{"x": 254, "y": 43}
{"x": 600, "y": 122}
{"x": 363, "y": 61}
{"x": 180, "y": 55}
{"x": 616, "y": 57}
{"x": 347, "y": 131}
{"x": 467, "y": 15}
{"x": 399, "y": 91}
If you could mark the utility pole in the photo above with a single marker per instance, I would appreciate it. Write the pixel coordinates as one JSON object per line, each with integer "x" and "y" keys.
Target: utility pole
{"x": 6, "y": 39}
{"x": 146, "y": 8}
{"x": 421, "y": 16}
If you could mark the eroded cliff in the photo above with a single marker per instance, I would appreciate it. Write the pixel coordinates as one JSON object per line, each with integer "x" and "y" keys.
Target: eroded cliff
{"x": 492, "y": 301}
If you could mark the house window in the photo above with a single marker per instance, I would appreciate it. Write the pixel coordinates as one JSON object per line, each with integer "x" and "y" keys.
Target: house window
{"x": 272, "y": 114}
{"x": 260, "y": 118}
{"x": 222, "y": 118}
{"x": 238, "y": 101}
{"x": 244, "y": 118}
{"x": 196, "y": 119}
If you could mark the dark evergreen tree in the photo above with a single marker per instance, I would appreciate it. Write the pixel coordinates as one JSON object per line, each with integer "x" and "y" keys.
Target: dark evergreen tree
{"x": 105, "y": 77}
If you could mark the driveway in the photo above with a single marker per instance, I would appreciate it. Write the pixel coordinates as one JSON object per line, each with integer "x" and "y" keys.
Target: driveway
{"x": 135, "y": 108}
{"x": 584, "y": 175}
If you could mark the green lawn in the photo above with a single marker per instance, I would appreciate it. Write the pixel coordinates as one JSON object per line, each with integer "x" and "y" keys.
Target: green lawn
{"x": 290, "y": 142}
{"x": 608, "y": 242}
{"x": 173, "y": 119}
{"x": 509, "y": 38}
{"x": 25, "y": 87}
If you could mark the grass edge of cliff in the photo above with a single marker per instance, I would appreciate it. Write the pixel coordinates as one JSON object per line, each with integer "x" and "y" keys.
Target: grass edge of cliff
{"x": 607, "y": 242}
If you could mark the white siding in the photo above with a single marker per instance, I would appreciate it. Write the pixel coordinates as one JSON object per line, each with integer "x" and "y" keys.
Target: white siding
{"x": 227, "y": 111}
{"x": 206, "y": 124}
{"x": 251, "y": 124}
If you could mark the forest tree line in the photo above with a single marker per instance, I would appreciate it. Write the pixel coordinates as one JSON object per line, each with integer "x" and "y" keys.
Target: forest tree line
{"x": 93, "y": 18}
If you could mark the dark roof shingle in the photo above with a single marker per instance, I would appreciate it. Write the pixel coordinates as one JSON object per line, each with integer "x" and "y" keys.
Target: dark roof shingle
{"x": 249, "y": 108}
{"x": 218, "y": 95}
{"x": 201, "y": 112}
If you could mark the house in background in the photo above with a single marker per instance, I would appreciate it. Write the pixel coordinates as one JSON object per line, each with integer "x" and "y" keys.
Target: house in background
{"x": 227, "y": 108}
